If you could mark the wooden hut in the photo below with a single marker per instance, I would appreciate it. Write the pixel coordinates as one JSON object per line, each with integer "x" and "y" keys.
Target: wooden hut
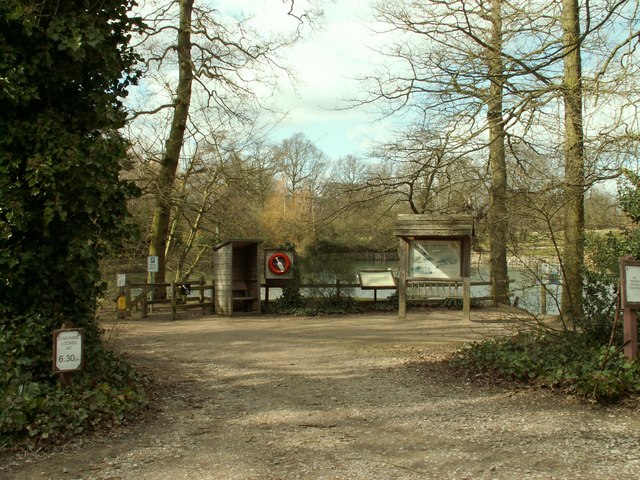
{"x": 236, "y": 277}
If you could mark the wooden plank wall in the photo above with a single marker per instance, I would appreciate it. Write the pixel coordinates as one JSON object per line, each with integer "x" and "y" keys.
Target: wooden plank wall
{"x": 222, "y": 279}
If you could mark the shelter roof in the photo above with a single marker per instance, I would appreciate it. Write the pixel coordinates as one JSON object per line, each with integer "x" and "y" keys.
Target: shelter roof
{"x": 423, "y": 225}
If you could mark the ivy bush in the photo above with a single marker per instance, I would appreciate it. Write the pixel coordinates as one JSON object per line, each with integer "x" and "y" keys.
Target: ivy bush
{"x": 564, "y": 362}
{"x": 64, "y": 69}
{"x": 41, "y": 413}
{"x": 310, "y": 307}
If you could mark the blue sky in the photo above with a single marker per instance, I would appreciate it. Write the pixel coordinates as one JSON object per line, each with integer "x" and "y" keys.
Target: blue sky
{"x": 327, "y": 63}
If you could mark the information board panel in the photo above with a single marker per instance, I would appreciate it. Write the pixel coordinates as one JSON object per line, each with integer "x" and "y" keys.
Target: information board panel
{"x": 435, "y": 259}
{"x": 632, "y": 283}
{"x": 376, "y": 279}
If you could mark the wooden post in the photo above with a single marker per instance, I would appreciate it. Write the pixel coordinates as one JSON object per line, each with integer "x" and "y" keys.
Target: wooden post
{"x": 202, "y": 297}
{"x": 543, "y": 299}
{"x": 338, "y": 287}
{"x": 174, "y": 309}
{"x": 630, "y": 302}
{"x": 402, "y": 281}
{"x": 145, "y": 305}
{"x": 630, "y": 333}
{"x": 466, "y": 298}
{"x": 127, "y": 298}
{"x": 152, "y": 280}
{"x": 213, "y": 297}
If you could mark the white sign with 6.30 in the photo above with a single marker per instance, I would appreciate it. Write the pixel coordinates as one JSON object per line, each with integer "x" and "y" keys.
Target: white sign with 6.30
{"x": 68, "y": 350}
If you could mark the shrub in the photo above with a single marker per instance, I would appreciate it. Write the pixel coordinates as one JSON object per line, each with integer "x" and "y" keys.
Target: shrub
{"x": 34, "y": 411}
{"x": 565, "y": 362}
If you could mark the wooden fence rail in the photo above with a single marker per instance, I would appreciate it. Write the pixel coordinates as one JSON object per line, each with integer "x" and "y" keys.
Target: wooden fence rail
{"x": 179, "y": 295}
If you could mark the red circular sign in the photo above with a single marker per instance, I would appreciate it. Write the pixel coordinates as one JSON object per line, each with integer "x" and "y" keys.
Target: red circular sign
{"x": 279, "y": 263}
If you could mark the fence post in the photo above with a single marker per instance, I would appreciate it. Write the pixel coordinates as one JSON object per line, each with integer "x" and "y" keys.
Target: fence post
{"x": 145, "y": 305}
{"x": 213, "y": 297}
{"x": 466, "y": 298}
{"x": 127, "y": 298}
{"x": 338, "y": 287}
{"x": 173, "y": 301}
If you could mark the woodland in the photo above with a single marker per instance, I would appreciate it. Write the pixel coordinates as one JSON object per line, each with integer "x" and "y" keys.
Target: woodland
{"x": 139, "y": 129}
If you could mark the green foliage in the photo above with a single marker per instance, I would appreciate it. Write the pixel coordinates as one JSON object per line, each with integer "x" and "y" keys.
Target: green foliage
{"x": 36, "y": 408}
{"x": 589, "y": 360}
{"x": 565, "y": 362}
{"x": 457, "y": 304}
{"x": 330, "y": 305}
{"x": 629, "y": 195}
{"x": 64, "y": 69}
{"x": 603, "y": 271}
{"x": 600, "y": 309}
{"x": 35, "y": 413}
{"x": 67, "y": 66}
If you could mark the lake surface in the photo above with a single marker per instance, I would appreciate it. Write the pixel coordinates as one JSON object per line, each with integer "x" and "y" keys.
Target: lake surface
{"x": 525, "y": 287}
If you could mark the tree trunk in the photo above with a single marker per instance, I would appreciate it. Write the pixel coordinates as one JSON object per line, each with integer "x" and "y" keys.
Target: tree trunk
{"x": 497, "y": 215}
{"x": 173, "y": 145}
{"x": 573, "y": 254}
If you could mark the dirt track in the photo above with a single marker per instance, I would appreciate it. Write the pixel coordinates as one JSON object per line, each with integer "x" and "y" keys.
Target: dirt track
{"x": 338, "y": 398}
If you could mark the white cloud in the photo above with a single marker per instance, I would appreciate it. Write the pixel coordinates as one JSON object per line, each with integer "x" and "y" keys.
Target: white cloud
{"x": 327, "y": 65}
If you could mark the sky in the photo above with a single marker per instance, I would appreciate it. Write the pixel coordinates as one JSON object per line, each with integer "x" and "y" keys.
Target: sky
{"x": 327, "y": 63}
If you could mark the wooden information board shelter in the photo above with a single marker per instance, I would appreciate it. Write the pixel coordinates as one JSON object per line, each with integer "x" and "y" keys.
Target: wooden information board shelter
{"x": 630, "y": 302}
{"x": 236, "y": 277}
{"x": 434, "y": 248}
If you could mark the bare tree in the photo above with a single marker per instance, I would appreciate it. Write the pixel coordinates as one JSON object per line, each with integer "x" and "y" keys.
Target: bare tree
{"x": 300, "y": 162}
{"x": 426, "y": 171}
{"x": 218, "y": 60}
{"x": 173, "y": 146}
{"x": 302, "y": 167}
{"x": 573, "y": 255}
{"x": 514, "y": 62}
{"x": 458, "y": 68}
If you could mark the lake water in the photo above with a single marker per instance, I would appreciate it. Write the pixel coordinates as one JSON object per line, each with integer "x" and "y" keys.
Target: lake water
{"x": 525, "y": 288}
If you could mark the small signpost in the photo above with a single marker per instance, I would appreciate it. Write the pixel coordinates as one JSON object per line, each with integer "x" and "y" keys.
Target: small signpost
{"x": 630, "y": 303}
{"x": 67, "y": 351}
{"x": 122, "y": 299}
{"x": 153, "y": 267}
{"x": 152, "y": 264}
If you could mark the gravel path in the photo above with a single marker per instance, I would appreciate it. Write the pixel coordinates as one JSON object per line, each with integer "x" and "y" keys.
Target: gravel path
{"x": 361, "y": 397}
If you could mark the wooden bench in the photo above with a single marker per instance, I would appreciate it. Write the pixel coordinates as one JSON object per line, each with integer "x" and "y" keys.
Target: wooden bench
{"x": 240, "y": 293}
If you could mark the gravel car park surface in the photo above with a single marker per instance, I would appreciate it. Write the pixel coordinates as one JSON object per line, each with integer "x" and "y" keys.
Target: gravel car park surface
{"x": 356, "y": 397}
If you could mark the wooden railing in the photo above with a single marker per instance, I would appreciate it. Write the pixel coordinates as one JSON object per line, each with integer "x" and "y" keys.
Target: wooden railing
{"x": 146, "y": 295}
{"x": 422, "y": 288}
{"x": 179, "y": 296}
